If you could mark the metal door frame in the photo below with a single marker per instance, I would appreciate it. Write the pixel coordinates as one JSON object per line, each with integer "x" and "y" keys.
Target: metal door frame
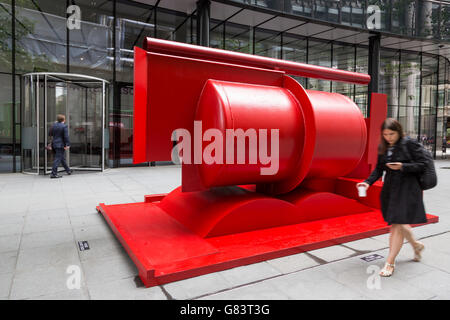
{"x": 66, "y": 78}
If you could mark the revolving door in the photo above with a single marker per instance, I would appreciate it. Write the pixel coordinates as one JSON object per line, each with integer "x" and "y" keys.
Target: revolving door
{"x": 82, "y": 100}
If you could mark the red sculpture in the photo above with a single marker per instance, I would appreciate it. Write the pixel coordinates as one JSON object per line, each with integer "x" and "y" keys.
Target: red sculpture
{"x": 293, "y": 193}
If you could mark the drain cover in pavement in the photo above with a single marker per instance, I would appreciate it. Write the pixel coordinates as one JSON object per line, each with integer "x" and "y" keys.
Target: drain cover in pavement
{"x": 372, "y": 257}
{"x": 84, "y": 245}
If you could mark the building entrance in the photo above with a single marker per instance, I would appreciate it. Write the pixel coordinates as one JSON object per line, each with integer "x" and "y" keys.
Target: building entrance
{"x": 82, "y": 100}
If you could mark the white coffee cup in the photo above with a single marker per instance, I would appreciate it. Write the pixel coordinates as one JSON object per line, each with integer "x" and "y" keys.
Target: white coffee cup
{"x": 362, "y": 191}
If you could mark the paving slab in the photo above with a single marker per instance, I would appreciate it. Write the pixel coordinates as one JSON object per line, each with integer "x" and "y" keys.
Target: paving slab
{"x": 11, "y": 228}
{"x": 250, "y": 273}
{"x": 39, "y": 282}
{"x": 293, "y": 263}
{"x": 83, "y": 210}
{"x": 102, "y": 248}
{"x": 73, "y": 294}
{"x": 9, "y": 242}
{"x": 48, "y": 256}
{"x": 46, "y": 222}
{"x": 436, "y": 259}
{"x": 13, "y": 218}
{"x": 363, "y": 278}
{"x": 47, "y": 238}
{"x": 5, "y": 284}
{"x": 8, "y": 261}
{"x": 108, "y": 269}
{"x": 197, "y": 286}
{"x": 125, "y": 289}
{"x": 91, "y": 232}
{"x": 259, "y": 291}
{"x": 332, "y": 253}
{"x": 86, "y": 220}
{"x": 313, "y": 284}
{"x": 366, "y": 244}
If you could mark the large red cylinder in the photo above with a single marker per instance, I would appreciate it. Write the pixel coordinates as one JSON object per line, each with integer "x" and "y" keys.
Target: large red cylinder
{"x": 341, "y": 135}
{"x": 245, "y": 110}
{"x": 323, "y": 132}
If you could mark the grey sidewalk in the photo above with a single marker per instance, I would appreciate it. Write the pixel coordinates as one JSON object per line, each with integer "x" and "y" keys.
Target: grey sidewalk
{"x": 42, "y": 219}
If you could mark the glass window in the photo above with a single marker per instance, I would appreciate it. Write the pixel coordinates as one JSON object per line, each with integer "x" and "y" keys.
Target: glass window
{"x": 278, "y": 5}
{"x": 167, "y": 22}
{"x": 344, "y": 59}
{"x": 346, "y": 12}
{"x": 362, "y": 66}
{"x": 445, "y": 22}
{"x": 41, "y": 33}
{"x": 385, "y": 10}
{"x": 428, "y": 103}
{"x": 303, "y": 7}
{"x": 6, "y": 124}
{"x": 132, "y": 27}
{"x": 91, "y": 46}
{"x": 327, "y": 10}
{"x": 441, "y": 119}
{"x": 321, "y": 9}
{"x": 409, "y": 93}
{"x": 5, "y": 36}
{"x": 358, "y": 14}
{"x": 295, "y": 49}
{"x": 267, "y": 43}
{"x": 238, "y": 38}
{"x": 319, "y": 53}
{"x": 388, "y": 79}
{"x": 404, "y": 16}
{"x": 192, "y": 30}
{"x": 216, "y": 35}
{"x": 436, "y": 19}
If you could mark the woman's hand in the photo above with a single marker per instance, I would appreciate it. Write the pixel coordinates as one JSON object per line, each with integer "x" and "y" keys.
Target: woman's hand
{"x": 362, "y": 184}
{"x": 394, "y": 165}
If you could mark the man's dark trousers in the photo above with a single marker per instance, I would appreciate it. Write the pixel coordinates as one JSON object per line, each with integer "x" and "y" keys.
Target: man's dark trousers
{"x": 60, "y": 157}
{"x": 60, "y": 139}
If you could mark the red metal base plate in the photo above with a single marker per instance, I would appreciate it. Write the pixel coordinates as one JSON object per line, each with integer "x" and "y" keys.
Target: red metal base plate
{"x": 165, "y": 251}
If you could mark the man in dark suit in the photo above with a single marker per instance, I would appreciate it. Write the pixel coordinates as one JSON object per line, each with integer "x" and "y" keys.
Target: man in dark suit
{"x": 60, "y": 143}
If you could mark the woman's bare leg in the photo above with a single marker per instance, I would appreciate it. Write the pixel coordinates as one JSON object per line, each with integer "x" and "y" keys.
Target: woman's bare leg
{"x": 396, "y": 243}
{"x": 417, "y": 246}
{"x": 407, "y": 233}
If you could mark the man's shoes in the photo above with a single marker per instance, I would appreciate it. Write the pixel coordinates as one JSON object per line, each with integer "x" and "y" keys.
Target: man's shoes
{"x": 54, "y": 177}
{"x": 69, "y": 172}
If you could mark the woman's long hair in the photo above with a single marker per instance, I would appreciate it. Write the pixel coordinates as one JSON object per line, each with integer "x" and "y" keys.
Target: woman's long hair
{"x": 393, "y": 125}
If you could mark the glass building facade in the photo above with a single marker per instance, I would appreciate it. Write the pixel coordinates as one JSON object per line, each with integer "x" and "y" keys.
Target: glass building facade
{"x": 36, "y": 36}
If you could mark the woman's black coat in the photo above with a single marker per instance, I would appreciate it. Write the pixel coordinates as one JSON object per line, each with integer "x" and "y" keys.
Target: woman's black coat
{"x": 401, "y": 196}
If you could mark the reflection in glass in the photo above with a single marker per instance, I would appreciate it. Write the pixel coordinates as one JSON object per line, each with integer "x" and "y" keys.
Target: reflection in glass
{"x": 409, "y": 93}
{"x": 388, "y": 79}
{"x": 267, "y": 43}
{"x": 41, "y": 36}
{"x": 319, "y": 53}
{"x": 238, "y": 38}
{"x": 344, "y": 59}
{"x": 91, "y": 46}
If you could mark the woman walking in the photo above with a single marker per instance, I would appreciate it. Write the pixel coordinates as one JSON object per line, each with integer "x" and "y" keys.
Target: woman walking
{"x": 401, "y": 195}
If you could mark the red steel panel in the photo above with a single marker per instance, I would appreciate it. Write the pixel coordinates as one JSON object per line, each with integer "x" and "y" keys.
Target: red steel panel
{"x": 174, "y": 85}
{"x": 140, "y": 143}
{"x": 378, "y": 113}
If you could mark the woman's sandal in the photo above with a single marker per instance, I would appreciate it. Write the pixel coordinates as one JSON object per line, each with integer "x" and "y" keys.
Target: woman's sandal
{"x": 418, "y": 251}
{"x": 385, "y": 272}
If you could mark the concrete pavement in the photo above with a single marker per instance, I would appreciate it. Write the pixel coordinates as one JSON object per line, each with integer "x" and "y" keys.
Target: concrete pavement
{"x": 42, "y": 220}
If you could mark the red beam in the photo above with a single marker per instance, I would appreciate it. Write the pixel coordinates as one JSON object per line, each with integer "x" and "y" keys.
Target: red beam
{"x": 293, "y": 68}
